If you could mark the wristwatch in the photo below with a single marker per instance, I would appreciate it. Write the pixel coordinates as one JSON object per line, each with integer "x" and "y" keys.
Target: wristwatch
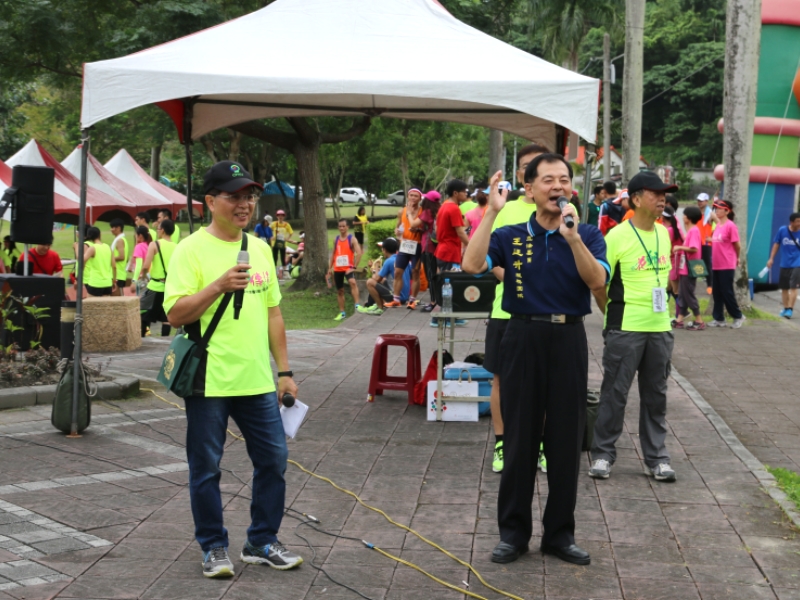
{"x": 285, "y": 374}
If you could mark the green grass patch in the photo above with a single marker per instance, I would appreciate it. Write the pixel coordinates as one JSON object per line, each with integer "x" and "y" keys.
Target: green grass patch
{"x": 752, "y": 314}
{"x": 306, "y": 310}
{"x": 789, "y": 482}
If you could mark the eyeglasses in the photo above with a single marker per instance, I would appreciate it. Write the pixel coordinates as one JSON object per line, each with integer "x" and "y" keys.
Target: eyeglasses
{"x": 238, "y": 198}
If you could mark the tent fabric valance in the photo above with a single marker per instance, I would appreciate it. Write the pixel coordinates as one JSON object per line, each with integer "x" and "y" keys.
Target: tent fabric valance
{"x": 405, "y": 59}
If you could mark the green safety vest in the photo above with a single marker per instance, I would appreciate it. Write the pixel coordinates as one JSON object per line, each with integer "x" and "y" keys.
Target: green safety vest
{"x": 97, "y": 270}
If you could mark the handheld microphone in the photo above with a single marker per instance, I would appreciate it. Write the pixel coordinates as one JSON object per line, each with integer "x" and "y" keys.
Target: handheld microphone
{"x": 238, "y": 296}
{"x": 287, "y": 400}
{"x": 569, "y": 220}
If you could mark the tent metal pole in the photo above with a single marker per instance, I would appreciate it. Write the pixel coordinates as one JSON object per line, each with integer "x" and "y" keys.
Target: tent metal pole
{"x": 187, "y": 142}
{"x": 589, "y": 155}
{"x": 76, "y": 383}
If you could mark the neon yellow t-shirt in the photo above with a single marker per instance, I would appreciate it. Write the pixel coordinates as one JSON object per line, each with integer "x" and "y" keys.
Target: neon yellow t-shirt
{"x": 513, "y": 213}
{"x": 633, "y": 277}
{"x": 282, "y": 232}
{"x": 176, "y": 235}
{"x": 97, "y": 270}
{"x": 157, "y": 269}
{"x": 238, "y": 353}
{"x": 467, "y": 206}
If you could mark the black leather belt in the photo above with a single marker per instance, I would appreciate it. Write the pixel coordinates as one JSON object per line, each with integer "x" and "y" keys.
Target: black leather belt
{"x": 559, "y": 319}
{"x": 160, "y": 280}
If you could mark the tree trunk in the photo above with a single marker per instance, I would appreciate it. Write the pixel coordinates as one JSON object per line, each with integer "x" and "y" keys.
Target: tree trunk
{"x": 496, "y": 152}
{"x": 404, "y": 174}
{"x": 315, "y": 259}
{"x": 632, "y": 88}
{"x": 743, "y": 39}
{"x": 236, "y": 144}
{"x": 606, "y": 107}
{"x": 155, "y": 162}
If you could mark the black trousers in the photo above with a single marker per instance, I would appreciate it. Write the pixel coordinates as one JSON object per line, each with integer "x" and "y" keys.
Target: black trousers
{"x": 429, "y": 263}
{"x": 724, "y": 294}
{"x": 544, "y": 370}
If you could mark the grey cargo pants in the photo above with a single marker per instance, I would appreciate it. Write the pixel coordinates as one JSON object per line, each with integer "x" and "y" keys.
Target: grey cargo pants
{"x": 627, "y": 352}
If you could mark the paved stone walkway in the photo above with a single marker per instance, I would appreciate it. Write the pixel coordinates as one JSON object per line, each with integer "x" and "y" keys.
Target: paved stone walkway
{"x": 712, "y": 535}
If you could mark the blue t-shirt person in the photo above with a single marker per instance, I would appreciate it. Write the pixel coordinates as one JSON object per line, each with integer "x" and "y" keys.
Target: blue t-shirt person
{"x": 541, "y": 276}
{"x": 387, "y": 272}
{"x": 789, "y": 243}
{"x": 264, "y": 232}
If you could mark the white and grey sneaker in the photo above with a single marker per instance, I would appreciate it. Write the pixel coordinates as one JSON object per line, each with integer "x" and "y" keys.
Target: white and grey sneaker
{"x": 737, "y": 323}
{"x": 217, "y": 563}
{"x": 662, "y": 472}
{"x": 717, "y": 324}
{"x": 275, "y": 555}
{"x": 601, "y": 469}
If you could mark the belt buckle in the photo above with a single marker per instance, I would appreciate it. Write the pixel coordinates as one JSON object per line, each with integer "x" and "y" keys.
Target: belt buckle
{"x": 558, "y": 318}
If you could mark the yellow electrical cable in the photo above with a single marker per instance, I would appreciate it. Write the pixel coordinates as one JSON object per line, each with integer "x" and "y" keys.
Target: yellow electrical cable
{"x": 389, "y": 519}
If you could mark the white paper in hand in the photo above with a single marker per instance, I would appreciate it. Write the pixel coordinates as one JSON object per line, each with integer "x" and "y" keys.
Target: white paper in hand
{"x": 293, "y": 417}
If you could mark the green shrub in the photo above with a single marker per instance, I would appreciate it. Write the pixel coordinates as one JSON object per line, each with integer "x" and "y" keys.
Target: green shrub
{"x": 376, "y": 232}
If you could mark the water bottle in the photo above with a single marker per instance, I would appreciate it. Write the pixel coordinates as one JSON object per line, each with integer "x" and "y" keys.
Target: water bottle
{"x": 447, "y": 297}
{"x": 763, "y": 272}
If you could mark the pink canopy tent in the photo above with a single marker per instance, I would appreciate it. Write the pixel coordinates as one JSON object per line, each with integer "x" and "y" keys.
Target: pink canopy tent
{"x": 98, "y": 204}
{"x": 102, "y": 179}
{"x": 125, "y": 168}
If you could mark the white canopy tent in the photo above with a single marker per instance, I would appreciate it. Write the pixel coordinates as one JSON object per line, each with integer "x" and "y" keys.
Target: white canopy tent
{"x": 408, "y": 59}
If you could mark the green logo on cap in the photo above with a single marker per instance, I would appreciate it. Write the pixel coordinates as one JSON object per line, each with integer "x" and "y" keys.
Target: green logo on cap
{"x": 236, "y": 171}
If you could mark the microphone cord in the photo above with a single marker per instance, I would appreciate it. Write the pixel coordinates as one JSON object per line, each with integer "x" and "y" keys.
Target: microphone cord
{"x": 389, "y": 519}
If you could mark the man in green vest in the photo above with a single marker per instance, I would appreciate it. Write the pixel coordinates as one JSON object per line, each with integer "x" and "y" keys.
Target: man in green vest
{"x": 157, "y": 264}
{"x": 120, "y": 251}
{"x": 166, "y": 214}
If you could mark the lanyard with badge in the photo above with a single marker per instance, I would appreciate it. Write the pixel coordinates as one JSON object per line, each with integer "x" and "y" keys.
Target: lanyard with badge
{"x": 659, "y": 293}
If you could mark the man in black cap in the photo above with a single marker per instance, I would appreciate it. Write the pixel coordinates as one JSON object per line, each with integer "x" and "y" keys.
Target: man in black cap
{"x": 638, "y": 335}
{"x": 235, "y": 378}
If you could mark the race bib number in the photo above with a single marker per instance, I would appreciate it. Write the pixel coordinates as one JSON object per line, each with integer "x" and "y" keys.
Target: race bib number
{"x": 342, "y": 261}
{"x": 659, "y": 299}
{"x": 408, "y": 247}
{"x": 682, "y": 264}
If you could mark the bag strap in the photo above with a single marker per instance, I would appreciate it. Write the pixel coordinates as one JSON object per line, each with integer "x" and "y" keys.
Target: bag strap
{"x": 161, "y": 256}
{"x": 226, "y": 300}
{"x": 794, "y": 239}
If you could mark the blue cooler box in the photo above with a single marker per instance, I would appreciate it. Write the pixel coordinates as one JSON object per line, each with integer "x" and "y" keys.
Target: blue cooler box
{"x": 484, "y": 379}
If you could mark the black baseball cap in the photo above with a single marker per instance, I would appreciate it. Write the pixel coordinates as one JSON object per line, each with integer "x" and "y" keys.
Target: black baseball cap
{"x": 389, "y": 244}
{"x": 228, "y": 176}
{"x": 647, "y": 180}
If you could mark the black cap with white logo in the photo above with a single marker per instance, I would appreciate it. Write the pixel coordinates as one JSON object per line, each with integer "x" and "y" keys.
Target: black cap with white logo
{"x": 227, "y": 176}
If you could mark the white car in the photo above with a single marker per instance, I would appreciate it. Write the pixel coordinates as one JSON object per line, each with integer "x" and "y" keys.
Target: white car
{"x": 353, "y": 194}
{"x": 398, "y": 197}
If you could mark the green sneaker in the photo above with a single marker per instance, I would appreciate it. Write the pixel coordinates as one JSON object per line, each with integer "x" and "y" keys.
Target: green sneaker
{"x": 365, "y": 310}
{"x": 375, "y": 310}
{"x": 340, "y": 317}
{"x": 542, "y": 459}
{"x": 497, "y": 460}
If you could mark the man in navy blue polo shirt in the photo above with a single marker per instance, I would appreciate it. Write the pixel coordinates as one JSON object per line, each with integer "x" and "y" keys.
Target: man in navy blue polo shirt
{"x": 550, "y": 272}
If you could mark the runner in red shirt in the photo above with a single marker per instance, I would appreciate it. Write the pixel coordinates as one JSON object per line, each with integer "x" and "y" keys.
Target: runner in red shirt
{"x": 450, "y": 229}
{"x": 44, "y": 260}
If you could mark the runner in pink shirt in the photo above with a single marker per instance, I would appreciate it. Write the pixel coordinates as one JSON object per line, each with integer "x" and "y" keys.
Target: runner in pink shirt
{"x": 475, "y": 216}
{"x": 689, "y": 249}
{"x": 724, "y": 260}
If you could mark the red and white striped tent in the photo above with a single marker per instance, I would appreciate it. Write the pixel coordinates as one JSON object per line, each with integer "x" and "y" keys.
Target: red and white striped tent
{"x": 125, "y": 168}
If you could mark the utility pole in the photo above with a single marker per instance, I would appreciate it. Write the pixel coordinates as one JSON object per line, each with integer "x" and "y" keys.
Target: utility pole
{"x": 496, "y": 152}
{"x": 606, "y": 107}
{"x": 632, "y": 88}
{"x": 742, "y": 43}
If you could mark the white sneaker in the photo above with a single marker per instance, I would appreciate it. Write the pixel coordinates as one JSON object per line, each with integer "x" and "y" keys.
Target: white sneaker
{"x": 718, "y": 324}
{"x": 737, "y": 323}
{"x": 601, "y": 469}
{"x": 662, "y": 472}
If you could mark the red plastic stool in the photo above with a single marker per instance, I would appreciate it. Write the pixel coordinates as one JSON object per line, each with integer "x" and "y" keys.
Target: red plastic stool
{"x": 379, "y": 380}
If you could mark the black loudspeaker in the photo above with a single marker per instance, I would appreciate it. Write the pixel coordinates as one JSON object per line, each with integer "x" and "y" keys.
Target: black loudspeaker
{"x": 32, "y": 213}
{"x": 46, "y": 291}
